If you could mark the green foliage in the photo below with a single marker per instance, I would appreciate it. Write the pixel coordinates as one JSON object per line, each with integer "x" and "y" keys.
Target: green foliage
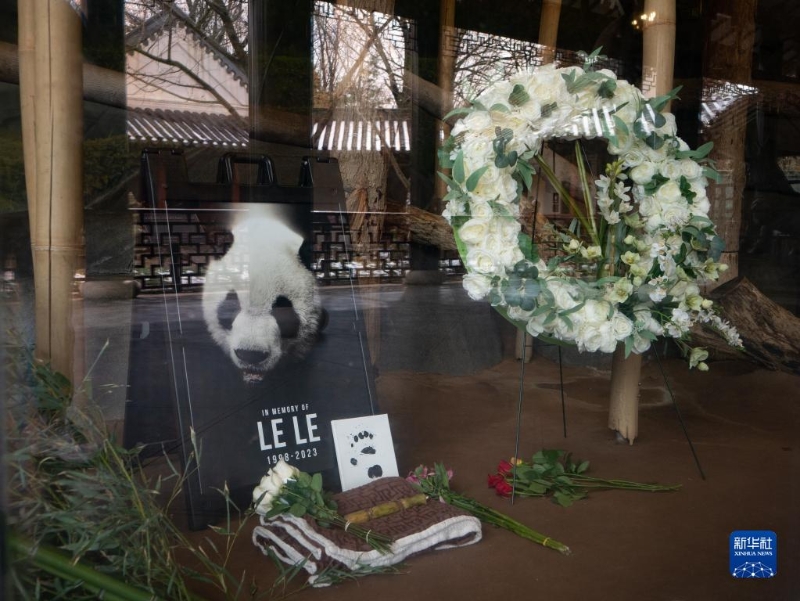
{"x": 554, "y": 473}
{"x": 80, "y": 502}
{"x": 106, "y": 162}
{"x": 518, "y": 96}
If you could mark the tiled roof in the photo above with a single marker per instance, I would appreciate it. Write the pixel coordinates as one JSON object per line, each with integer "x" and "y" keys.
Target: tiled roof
{"x": 186, "y": 128}
{"x": 363, "y": 135}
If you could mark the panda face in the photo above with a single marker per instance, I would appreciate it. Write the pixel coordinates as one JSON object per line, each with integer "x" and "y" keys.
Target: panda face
{"x": 257, "y": 339}
{"x": 259, "y": 301}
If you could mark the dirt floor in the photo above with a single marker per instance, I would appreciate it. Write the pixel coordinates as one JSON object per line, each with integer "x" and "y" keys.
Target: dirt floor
{"x": 745, "y": 426}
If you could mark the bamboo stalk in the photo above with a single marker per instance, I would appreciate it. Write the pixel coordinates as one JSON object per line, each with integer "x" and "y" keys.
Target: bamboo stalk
{"x": 58, "y": 205}
{"x": 384, "y": 509}
{"x": 548, "y": 29}
{"x": 27, "y": 83}
{"x": 658, "y": 59}
{"x": 623, "y": 409}
{"x": 446, "y": 69}
{"x": 658, "y": 40}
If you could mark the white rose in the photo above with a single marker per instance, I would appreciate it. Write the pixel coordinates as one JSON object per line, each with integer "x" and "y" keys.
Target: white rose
{"x": 621, "y": 326}
{"x": 454, "y": 208}
{"x": 597, "y": 338}
{"x": 511, "y": 256}
{"x": 535, "y": 326}
{"x": 653, "y": 223}
{"x": 675, "y": 214}
{"x": 701, "y": 206}
{"x": 285, "y": 471}
{"x": 643, "y": 173}
{"x": 640, "y": 345}
{"x": 474, "y": 230}
{"x": 478, "y": 151}
{"x": 478, "y": 121}
{"x": 481, "y": 210}
{"x": 670, "y": 169}
{"x": 264, "y": 501}
{"x": 668, "y": 192}
{"x": 497, "y": 94}
{"x": 623, "y": 145}
{"x": 476, "y": 285}
{"x": 595, "y": 311}
{"x": 690, "y": 169}
{"x": 482, "y": 261}
{"x": 519, "y": 314}
{"x": 562, "y": 294}
{"x": 633, "y": 158}
{"x": 626, "y": 99}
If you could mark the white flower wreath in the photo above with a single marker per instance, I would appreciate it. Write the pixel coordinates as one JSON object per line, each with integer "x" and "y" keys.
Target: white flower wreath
{"x": 629, "y": 274}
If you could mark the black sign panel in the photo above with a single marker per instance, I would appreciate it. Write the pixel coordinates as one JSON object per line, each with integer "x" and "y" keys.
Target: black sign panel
{"x": 256, "y": 362}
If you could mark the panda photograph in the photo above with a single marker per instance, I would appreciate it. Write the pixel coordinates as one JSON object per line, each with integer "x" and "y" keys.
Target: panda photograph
{"x": 258, "y": 361}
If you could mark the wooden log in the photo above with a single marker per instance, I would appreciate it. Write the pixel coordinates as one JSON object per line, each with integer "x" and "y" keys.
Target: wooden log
{"x": 770, "y": 333}
{"x": 424, "y": 227}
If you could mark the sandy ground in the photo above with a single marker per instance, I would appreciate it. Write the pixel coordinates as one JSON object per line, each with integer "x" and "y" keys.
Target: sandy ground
{"x": 743, "y": 421}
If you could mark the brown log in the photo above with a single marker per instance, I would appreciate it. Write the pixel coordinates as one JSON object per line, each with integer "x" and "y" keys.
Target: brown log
{"x": 424, "y": 227}
{"x": 770, "y": 333}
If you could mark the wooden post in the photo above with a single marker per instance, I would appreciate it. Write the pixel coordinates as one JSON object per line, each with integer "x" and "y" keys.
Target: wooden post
{"x": 52, "y": 100}
{"x": 658, "y": 59}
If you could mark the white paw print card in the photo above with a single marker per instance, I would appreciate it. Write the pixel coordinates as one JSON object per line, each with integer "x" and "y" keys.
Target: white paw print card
{"x": 364, "y": 449}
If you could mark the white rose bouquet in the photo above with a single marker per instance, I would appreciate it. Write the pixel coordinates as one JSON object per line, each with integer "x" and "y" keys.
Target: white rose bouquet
{"x": 285, "y": 489}
{"x": 636, "y": 251}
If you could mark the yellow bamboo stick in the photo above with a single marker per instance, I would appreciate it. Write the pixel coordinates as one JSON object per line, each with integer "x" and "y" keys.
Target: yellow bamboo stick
{"x": 384, "y": 509}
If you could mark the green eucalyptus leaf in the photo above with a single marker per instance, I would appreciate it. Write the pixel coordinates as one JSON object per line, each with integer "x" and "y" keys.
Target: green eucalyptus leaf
{"x": 463, "y": 110}
{"x": 717, "y": 246}
{"x": 519, "y": 95}
{"x": 449, "y": 181}
{"x": 458, "y": 167}
{"x": 607, "y": 88}
{"x": 526, "y": 172}
{"x": 474, "y": 178}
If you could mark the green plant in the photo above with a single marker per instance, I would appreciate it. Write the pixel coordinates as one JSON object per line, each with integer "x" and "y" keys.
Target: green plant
{"x": 86, "y": 520}
{"x": 553, "y": 473}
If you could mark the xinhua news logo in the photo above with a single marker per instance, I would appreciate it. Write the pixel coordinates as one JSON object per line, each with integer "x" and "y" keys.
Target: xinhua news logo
{"x": 753, "y": 554}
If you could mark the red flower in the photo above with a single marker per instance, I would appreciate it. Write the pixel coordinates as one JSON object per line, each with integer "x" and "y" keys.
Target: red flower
{"x": 504, "y": 467}
{"x": 503, "y": 489}
{"x": 494, "y": 480}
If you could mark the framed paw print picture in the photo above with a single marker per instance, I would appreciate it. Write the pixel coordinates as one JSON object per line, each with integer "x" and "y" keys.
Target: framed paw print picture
{"x": 364, "y": 449}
